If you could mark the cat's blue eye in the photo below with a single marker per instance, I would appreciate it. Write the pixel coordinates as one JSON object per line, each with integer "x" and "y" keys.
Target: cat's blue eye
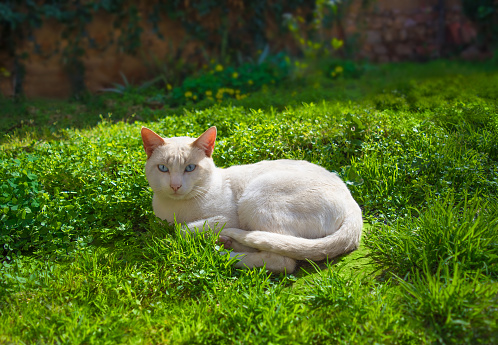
{"x": 163, "y": 168}
{"x": 190, "y": 167}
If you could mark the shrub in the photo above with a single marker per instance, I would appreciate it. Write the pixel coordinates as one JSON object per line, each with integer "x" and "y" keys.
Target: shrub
{"x": 22, "y": 198}
{"x": 221, "y": 82}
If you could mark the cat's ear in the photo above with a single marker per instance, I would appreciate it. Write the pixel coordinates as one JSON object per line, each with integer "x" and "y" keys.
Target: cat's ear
{"x": 206, "y": 141}
{"x": 151, "y": 141}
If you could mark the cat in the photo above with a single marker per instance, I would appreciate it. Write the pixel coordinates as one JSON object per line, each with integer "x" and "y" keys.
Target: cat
{"x": 273, "y": 212}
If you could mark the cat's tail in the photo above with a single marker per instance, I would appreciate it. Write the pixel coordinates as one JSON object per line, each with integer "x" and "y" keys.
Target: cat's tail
{"x": 344, "y": 240}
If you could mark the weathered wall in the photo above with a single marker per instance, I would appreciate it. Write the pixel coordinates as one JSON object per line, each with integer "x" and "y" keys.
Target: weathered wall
{"x": 393, "y": 30}
{"x": 387, "y": 30}
{"x": 46, "y": 73}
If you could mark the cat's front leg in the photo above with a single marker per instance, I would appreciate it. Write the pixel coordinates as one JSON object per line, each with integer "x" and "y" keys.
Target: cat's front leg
{"x": 204, "y": 225}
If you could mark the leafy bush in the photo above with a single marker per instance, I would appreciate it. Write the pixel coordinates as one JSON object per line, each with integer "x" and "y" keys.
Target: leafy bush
{"x": 22, "y": 199}
{"x": 221, "y": 83}
{"x": 405, "y": 170}
{"x": 342, "y": 68}
{"x": 81, "y": 193}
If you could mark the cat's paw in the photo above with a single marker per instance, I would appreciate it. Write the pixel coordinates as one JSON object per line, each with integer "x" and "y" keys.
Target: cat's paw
{"x": 226, "y": 241}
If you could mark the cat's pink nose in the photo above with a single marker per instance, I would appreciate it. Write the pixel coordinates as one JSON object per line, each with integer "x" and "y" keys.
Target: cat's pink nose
{"x": 176, "y": 187}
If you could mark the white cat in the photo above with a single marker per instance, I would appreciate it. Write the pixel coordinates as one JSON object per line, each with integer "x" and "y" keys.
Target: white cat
{"x": 273, "y": 212}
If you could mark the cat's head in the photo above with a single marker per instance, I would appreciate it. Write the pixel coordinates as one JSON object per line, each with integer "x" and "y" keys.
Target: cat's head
{"x": 179, "y": 167}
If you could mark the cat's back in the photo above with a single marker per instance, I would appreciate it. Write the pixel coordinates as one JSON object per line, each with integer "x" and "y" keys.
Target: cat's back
{"x": 292, "y": 197}
{"x": 287, "y": 166}
{"x": 284, "y": 173}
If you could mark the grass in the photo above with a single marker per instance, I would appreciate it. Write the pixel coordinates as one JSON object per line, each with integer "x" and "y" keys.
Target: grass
{"x": 84, "y": 260}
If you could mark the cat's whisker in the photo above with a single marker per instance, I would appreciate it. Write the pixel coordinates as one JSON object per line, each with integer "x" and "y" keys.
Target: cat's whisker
{"x": 199, "y": 195}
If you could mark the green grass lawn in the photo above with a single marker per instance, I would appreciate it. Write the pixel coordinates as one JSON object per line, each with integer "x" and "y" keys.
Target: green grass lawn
{"x": 84, "y": 260}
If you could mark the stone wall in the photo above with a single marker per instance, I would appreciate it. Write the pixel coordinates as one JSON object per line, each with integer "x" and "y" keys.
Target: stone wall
{"x": 394, "y": 31}
{"x": 46, "y": 73}
{"x": 384, "y": 31}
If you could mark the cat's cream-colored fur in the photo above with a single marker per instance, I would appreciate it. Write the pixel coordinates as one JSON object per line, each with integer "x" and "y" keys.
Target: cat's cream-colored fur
{"x": 273, "y": 212}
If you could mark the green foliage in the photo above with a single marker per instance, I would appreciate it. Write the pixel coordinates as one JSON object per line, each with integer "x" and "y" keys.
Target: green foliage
{"x": 195, "y": 263}
{"x": 342, "y": 68}
{"x": 423, "y": 161}
{"x": 309, "y": 32}
{"x": 463, "y": 234}
{"x": 310, "y": 35}
{"x": 336, "y": 294}
{"x": 220, "y": 83}
{"x": 454, "y": 306}
{"x": 22, "y": 198}
{"x": 34, "y": 219}
{"x": 77, "y": 199}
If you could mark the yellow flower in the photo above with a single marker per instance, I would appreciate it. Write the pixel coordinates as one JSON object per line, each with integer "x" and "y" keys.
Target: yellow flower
{"x": 169, "y": 87}
{"x": 4, "y": 72}
{"x": 229, "y": 91}
{"x": 195, "y": 97}
{"x": 209, "y": 93}
{"x": 239, "y": 97}
{"x": 235, "y": 75}
{"x": 339, "y": 69}
{"x": 250, "y": 82}
{"x": 336, "y": 44}
{"x": 218, "y": 68}
{"x": 333, "y": 74}
{"x": 188, "y": 94}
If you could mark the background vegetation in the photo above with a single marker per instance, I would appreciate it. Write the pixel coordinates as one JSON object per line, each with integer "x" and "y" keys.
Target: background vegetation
{"x": 231, "y": 31}
{"x": 84, "y": 260}
{"x": 228, "y": 31}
